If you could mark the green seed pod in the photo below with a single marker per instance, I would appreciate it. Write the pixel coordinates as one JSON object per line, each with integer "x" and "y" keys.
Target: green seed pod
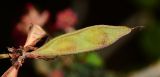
{"x": 83, "y": 40}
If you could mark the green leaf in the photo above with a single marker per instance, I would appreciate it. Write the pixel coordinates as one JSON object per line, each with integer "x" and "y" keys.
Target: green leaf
{"x": 94, "y": 60}
{"x": 83, "y": 40}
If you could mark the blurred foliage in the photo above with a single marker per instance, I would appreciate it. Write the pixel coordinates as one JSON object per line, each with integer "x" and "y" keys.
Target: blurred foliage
{"x": 151, "y": 38}
{"x": 147, "y": 4}
{"x": 94, "y": 60}
{"x": 85, "y": 64}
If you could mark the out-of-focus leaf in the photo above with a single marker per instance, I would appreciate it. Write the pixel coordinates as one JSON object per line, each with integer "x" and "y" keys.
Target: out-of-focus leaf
{"x": 42, "y": 67}
{"x": 87, "y": 39}
{"x": 150, "y": 40}
{"x": 94, "y": 60}
{"x": 147, "y": 4}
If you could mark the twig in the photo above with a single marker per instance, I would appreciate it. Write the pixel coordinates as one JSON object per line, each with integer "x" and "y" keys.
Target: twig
{"x": 3, "y": 56}
{"x": 137, "y": 27}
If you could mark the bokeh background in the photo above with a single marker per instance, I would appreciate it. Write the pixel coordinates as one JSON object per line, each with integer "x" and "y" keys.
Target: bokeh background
{"x": 136, "y": 55}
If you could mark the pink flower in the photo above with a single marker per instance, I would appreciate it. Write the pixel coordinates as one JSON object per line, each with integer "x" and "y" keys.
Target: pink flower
{"x": 66, "y": 18}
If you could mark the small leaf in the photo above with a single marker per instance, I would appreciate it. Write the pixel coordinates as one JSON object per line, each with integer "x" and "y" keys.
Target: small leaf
{"x": 87, "y": 39}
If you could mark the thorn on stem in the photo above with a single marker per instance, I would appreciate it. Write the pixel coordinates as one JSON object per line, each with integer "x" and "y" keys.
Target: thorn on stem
{"x": 137, "y": 27}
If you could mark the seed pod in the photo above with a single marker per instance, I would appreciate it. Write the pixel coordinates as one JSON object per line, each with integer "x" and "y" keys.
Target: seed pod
{"x": 83, "y": 40}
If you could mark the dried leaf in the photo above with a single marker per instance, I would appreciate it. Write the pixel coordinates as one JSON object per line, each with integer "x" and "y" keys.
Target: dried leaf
{"x": 87, "y": 39}
{"x": 35, "y": 34}
{"x": 12, "y": 71}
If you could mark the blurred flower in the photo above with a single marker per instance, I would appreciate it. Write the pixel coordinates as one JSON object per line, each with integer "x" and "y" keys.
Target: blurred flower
{"x": 31, "y": 17}
{"x": 34, "y": 17}
{"x": 57, "y": 73}
{"x": 66, "y": 19}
